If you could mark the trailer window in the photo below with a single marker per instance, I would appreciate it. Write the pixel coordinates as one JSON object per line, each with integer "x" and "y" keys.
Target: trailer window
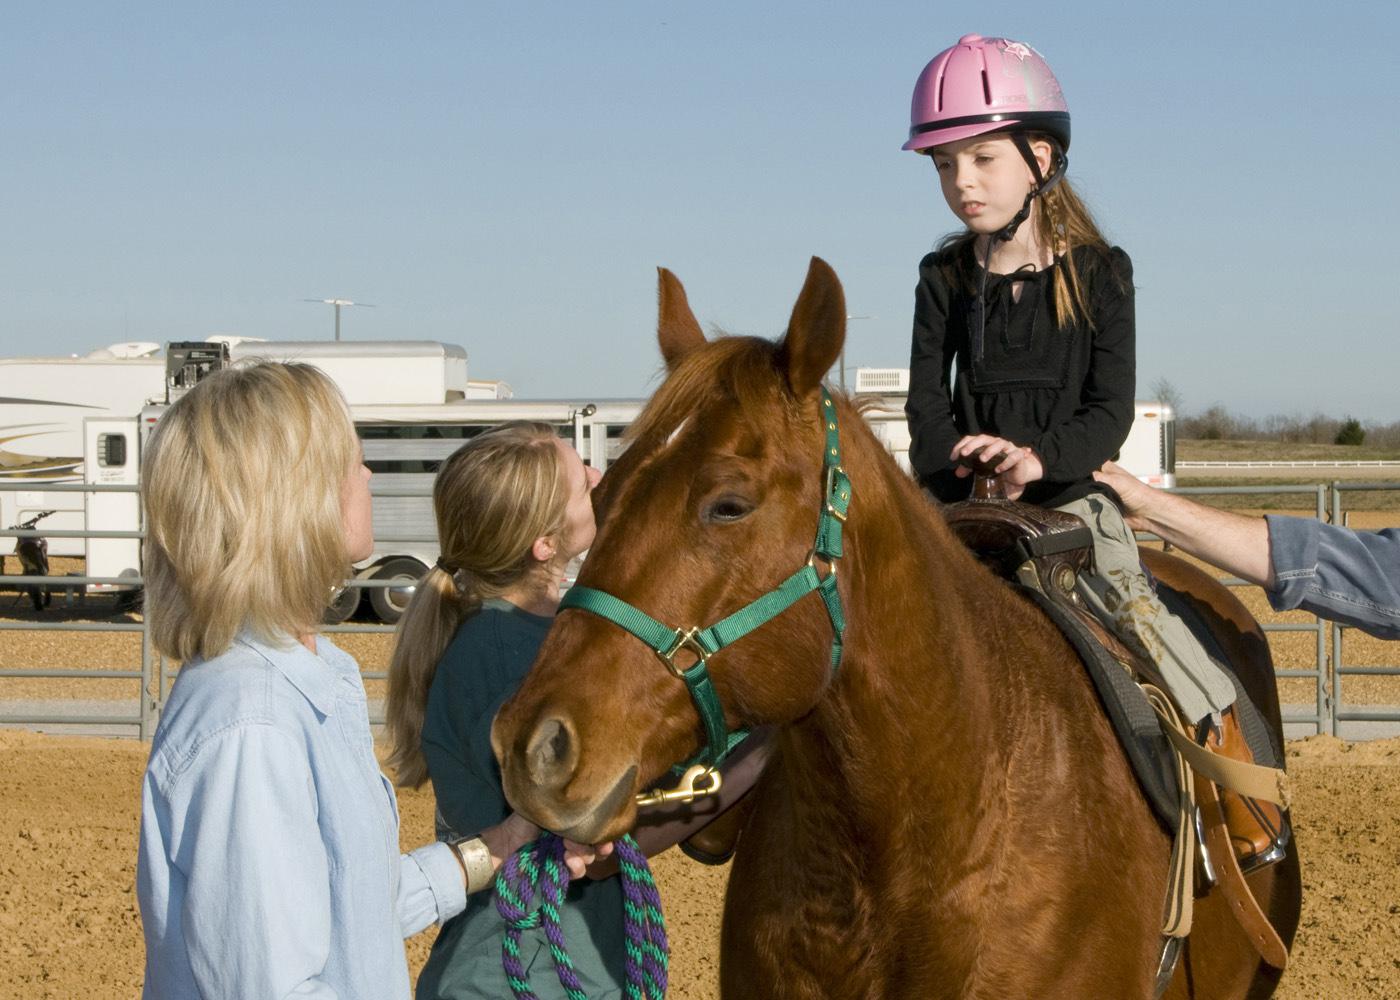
{"x": 418, "y": 455}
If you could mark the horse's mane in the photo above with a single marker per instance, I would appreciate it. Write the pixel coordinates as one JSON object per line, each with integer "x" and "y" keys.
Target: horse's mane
{"x": 743, "y": 369}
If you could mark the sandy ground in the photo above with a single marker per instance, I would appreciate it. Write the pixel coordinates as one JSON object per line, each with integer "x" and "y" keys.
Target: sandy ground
{"x": 69, "y": 924}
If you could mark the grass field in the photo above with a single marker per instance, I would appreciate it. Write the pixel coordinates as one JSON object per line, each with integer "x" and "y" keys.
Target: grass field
{"x": 1193, "y": 450}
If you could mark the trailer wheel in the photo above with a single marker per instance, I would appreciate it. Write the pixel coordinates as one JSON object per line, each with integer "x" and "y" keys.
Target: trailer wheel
{"x": 403, "y": 574}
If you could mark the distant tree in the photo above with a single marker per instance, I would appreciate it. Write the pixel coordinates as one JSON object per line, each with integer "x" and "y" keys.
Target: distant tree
{"x": 1167, "y": 394}
{"x": 1352, "y": 432}
{"x": 1214, "y": 424}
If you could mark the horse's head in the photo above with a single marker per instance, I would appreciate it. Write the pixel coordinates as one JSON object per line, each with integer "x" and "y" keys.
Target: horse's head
{"x": 714, "y": 504}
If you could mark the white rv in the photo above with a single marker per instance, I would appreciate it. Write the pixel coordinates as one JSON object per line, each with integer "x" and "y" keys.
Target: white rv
{"x": 1149, "y": 453}
{"x": 44, "y": 403}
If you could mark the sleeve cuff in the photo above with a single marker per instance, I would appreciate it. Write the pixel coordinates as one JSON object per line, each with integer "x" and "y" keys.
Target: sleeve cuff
{"x": 430, "y": 888}
{"x": 1293, "y": 543}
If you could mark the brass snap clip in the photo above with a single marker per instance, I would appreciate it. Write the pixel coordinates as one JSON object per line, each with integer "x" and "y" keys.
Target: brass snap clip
{"x": 688, "y": 789}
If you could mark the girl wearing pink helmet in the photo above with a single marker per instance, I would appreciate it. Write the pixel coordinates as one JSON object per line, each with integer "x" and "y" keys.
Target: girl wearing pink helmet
{"x": 1024, "y": 335}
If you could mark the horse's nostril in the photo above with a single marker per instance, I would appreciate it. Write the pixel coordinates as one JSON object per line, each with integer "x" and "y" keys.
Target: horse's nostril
{"x": 552, "y": 753}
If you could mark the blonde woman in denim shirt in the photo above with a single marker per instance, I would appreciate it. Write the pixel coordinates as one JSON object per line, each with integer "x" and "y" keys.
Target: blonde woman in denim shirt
{"x": 269, "y": 863}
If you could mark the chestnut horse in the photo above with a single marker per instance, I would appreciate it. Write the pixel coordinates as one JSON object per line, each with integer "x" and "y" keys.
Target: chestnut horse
{"x": 946, "y": 813}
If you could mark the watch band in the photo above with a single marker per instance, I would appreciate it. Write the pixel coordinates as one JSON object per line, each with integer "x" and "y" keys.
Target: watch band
{"x": 475, "y": 858}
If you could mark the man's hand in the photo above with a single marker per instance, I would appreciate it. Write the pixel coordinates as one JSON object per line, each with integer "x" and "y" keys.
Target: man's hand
{"x": 1140, "y": 501}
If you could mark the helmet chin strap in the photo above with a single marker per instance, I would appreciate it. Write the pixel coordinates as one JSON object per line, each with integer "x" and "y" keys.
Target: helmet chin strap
{"x": 1058, "y": 162}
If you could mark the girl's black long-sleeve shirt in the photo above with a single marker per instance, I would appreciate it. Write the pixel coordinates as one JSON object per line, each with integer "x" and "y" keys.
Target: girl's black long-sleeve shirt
{"x": 1067, "y": 393}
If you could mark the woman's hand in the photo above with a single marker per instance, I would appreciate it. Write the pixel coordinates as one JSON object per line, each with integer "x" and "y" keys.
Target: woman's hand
{"x": 577, "y": 857}
{"x": 514, "y": 832}
{"x": 1018, "y": 467}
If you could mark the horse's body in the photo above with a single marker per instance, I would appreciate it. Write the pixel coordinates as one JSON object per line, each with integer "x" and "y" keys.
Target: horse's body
{"x": 949, "y": 815}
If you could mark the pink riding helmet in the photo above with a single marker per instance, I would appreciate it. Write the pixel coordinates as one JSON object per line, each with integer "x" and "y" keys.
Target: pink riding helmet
{"x": 986, "y": 85}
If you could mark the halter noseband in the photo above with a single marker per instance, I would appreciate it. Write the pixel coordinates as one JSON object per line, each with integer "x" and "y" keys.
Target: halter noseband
{"x": 704, "y": 642}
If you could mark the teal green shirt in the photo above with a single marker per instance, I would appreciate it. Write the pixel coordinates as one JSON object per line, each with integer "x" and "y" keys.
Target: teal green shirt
{"x": 482, "y": 667}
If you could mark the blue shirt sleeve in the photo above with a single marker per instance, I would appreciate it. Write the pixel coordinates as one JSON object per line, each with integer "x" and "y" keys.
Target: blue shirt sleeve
{"x": 242, "y": 824}
{"x": 1352, "y": 577}
{"x": 431, "y": 889}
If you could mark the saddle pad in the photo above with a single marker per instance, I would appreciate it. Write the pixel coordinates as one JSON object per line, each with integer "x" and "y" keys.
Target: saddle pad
{"x": 1128, "y": 711}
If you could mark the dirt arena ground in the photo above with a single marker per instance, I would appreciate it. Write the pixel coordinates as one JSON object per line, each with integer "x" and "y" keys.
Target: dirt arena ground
{"x": 69, "y": 924}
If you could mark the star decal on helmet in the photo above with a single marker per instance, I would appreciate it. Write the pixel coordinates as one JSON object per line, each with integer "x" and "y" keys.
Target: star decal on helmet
{"x": 1018, "y": 49}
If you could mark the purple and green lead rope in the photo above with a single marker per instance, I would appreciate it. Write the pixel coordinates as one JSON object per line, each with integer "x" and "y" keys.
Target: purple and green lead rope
{"x": 538, "y": 867}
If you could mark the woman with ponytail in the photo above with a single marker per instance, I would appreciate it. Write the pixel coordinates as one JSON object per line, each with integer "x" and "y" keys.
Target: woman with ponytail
{"x": 513, "y": 508}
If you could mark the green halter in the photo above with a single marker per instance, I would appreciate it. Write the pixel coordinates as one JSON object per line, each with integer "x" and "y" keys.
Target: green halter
{"x": 667, "y": 642}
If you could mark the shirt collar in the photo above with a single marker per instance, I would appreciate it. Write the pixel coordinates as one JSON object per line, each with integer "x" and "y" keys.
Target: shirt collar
{"x": 313, "y": 674}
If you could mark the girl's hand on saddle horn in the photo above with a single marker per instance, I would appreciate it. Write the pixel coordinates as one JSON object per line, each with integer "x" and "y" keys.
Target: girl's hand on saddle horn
{"x": 1017, "y": 465}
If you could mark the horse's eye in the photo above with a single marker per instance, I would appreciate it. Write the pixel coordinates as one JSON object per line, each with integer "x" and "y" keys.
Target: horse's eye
{"x": 725, "y": 510}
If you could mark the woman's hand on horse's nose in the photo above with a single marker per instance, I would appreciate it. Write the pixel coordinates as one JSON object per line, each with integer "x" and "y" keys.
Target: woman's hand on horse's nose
{"x": 577, "y": 857}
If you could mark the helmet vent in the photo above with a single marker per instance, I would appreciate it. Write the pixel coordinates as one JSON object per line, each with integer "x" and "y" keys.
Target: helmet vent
{"x": 938, "y": 101}
{"x": 986, "y": 87}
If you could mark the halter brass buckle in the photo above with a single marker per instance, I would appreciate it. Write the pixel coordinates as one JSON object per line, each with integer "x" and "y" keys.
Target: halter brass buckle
{"x": 684, "y": 639}
{"x": 831, "y": 473}
{"x": 688, "y": 789}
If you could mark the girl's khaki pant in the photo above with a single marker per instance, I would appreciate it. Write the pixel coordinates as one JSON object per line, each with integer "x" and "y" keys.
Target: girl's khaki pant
{"x": 1119, "y": 595}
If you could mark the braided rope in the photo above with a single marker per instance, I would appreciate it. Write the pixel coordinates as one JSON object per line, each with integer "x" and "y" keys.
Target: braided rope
{"x": 538, "y": 867}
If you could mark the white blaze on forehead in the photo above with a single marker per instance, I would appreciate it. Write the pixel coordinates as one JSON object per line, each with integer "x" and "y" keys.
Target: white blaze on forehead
{"x": 675, "y": 433}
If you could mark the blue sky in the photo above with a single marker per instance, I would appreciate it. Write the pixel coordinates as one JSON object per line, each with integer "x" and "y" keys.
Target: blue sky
{"x": 508, "y": 175}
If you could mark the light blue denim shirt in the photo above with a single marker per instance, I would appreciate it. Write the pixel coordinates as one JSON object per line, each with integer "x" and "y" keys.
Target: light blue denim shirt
{"x": 269, "y": 863}
{"x": 1352, "y": 577}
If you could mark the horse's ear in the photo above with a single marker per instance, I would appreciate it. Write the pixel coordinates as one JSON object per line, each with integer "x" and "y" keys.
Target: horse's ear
{"x": 816, "y": 331}
{"x": 677, "y": 331}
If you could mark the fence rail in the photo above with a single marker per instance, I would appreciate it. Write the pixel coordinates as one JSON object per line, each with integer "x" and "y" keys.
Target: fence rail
{"x": 1229, "y": 464}
{"x": 1327, "y": 673}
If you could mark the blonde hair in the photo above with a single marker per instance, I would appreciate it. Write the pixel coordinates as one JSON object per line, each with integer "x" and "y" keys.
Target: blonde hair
{"x": 492, "y": 498}
{"x": 1062, "y": 222}
{"x": 242, "y": 486}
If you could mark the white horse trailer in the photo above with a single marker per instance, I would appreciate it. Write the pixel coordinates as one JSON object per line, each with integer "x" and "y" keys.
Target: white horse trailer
{"x": 1149, "y": 452}
{"x": 412, "y": 405}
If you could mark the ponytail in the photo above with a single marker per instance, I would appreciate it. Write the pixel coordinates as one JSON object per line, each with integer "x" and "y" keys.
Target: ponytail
{"x": 426, "y": 628}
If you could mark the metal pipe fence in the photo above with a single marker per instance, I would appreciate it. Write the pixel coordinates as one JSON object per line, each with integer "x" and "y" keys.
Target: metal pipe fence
{"x": 155, "y": 672}
{"x": 1318, "y": 672}
{"x": 1341, "y": 710}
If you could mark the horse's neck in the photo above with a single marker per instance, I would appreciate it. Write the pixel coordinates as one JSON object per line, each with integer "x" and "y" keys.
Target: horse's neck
{"x": 924, "y": 696}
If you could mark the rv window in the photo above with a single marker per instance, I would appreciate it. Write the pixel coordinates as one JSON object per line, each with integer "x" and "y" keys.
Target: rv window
{"x": 111, "y": 450}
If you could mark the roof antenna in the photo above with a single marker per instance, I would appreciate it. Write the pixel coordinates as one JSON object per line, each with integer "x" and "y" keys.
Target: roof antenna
{"x": 337, "y": 303}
